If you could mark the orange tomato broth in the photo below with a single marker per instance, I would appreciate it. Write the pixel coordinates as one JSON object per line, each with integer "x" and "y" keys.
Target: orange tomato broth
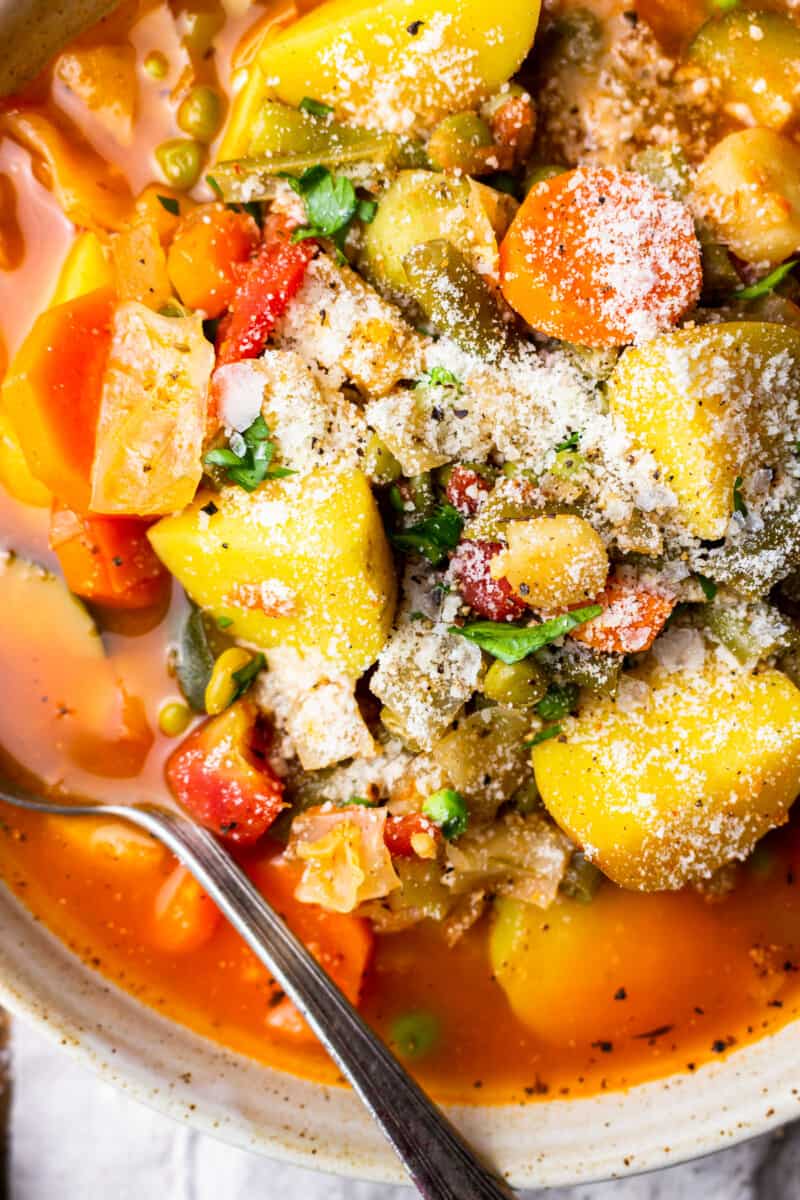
{"x": 672, "y": 980}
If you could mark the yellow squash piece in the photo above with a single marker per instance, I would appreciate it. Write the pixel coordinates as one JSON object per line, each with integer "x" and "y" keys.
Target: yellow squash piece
{"x": 700, "y": 400}
{"x": 301, "y": 562}
{"x": 398, "y": 64}
{"x": 562, "y": 968}
{"x": 666, "y": 790}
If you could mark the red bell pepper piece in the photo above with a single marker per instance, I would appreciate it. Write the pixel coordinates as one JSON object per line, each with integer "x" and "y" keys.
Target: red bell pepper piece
{"x": 491, "y": 598}
{"x": 399, "y": 831}
{"x": 464, "y": 488}
{"x": 220, "y": 775}
{"x": 107, "y": 559}
{"x": 269, "y": 282}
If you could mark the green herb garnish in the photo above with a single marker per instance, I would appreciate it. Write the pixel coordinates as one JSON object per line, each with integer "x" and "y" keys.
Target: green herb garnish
{"x": 212, "y": 183}
{"x": 512, "y": 643}
{"x": 709, "y": 588}
{"x": 246, "y": 459}
{"x": 569, "y": 443}
{"x": 331, "y": 204}
{"x": 359, "y": 801}
{"x": 768, "y": 284}
{"x": 224, "y": 622}
{"x": 244, "y": 677}
{"x": 544, "y": 735}
{"x": 170, "y": 204}
{"x": 433, "y": 536}
{"x": 315, "y": 107}
{"x": 558, "y": 702}
{"x": 441, "y": 377}
{"x": 739, "y": 505}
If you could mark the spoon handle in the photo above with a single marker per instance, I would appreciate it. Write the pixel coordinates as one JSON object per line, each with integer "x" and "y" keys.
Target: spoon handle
{"x": 437, "y": 1159}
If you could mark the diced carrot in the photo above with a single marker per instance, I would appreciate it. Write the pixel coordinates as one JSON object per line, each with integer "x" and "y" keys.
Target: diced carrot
{"x": 221, "y": 776}
{"x": 208, "y": 253}
{"x": 600, "y": 257}
{"x": 341, "y": 943}
{"x": 184, "y": 917}
{"x": 631, "y": 620}
{"x": 53, "y": 393}
{"x": 107, "y": 559}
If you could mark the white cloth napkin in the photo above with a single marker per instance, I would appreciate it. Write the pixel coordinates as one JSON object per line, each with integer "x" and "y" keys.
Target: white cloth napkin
{"x": 74, "y": 1137}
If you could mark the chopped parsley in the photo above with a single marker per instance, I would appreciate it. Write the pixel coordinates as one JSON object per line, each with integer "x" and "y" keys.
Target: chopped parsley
{"x": 709, "y": 588}
{"x": 569, "y": 443}
{"x": 314, "y": 108}
{"x": 170, "y": 204}
{"x": 447, "y": 809}
{"x": 247, "y": 458}
{"x": 224, "y": 622}
{"x": 441, "y": 377}
{"x": 739, "y": 505}
{"x": 214, "y": 185}
{"x": 433, "y": 536}
{"x": 512, "y": 643}
{"x": 331, "y": 204}
{"x": 244, "y": 677}
{"x": 544, "y": 735}
{"x": 768, "y": 284}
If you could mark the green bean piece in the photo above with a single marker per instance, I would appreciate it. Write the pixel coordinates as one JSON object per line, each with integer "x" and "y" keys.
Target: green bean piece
{"x": 461, "y": 142}
{"x": 181, "y": 160}
{"x": 200, "y": 114}
{"x": 520, "y": 685}
{"x": 754, "y": 561}
{"x": 414, "y": 1034}
{"x": 455, "y": 299}
{"x": 526, "y": 798}
{"x": 581, "y": 879}
{"x": 447, "y": 809}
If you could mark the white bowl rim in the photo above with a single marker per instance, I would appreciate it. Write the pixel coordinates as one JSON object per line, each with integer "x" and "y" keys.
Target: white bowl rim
{"x": 225, "y": 1095}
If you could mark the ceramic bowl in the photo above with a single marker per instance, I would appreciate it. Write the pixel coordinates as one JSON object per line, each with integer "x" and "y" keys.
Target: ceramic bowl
{"x": 542, "y": 1144}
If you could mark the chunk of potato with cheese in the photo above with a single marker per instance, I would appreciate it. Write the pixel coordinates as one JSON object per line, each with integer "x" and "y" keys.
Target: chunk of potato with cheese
{"x": 664, "y": 790}
{"x": 148, "y": 455}
{"x": 400, "y": 63}
{"x": 707, "y": 403}
{"x": 747, "y": 189}
{"x": 302, "y": 562}
{"x": 552, "y": 562}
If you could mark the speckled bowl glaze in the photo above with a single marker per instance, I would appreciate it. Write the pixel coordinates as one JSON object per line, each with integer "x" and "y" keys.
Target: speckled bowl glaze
{"x": 163, "y": 1065}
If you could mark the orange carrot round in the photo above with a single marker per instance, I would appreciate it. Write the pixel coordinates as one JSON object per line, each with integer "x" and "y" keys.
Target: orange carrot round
{"x": 600, "y": 257}
{"x": 209, "y": 246}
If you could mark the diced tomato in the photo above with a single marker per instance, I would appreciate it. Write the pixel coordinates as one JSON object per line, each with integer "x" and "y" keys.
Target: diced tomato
{"x": 631, "y": 621}
{"x": 53, "y": 393}
{"x": 464, "y": 488}
{"x": 107, "y": 559}
{"x": 220, "y": 775}
{"x": 211, "y": 247}
{"x": 341, "y": 943}
{"x": 184, "y": 917}
{"x": 400, "y": 830}
{"x": 270, "y": 281}
{"x": 491, "y": 598}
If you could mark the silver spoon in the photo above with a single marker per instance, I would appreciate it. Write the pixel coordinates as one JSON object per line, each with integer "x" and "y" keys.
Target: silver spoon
{"x": 437, "y": 1159}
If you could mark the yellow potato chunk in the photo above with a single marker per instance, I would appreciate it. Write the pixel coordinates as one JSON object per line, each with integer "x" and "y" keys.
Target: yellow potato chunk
{"x": 663, "y": 790}
{"x": 301, "y": 562}
{"x": 399, "y": 63}
{"x": 552, "y": 562}
{"x": 706, "y": 402}
{"x": 748, "y": 191}
{"x": 86, "y": 268}
{"x": 614, "y": 939}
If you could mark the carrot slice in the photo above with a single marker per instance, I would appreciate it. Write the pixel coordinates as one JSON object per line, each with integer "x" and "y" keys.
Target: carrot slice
{"x": 206, "y": 258}
{"x": 631, "y": 620}
{"x": 600, "y": 257}
{"x": 107, "y": 559}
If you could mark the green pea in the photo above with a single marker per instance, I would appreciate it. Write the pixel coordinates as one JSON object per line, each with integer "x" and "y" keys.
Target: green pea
{"x": 200, "y": 114}
{"x": 447, "y": 809}
{"x": 174, "y": 719}
{"x": 181, "y": 162}
{"x": 156, "y": 65}
{"x": 379, "y": 463}
{"x": 415, "y": 1034}
{"x": 519, "y": 684}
